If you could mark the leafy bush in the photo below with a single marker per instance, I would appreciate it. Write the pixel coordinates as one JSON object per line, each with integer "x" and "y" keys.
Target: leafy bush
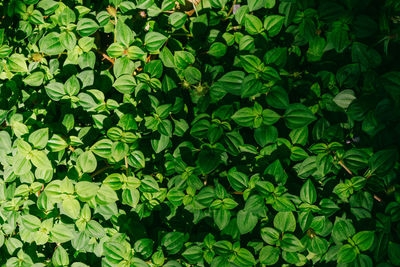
{"x": 213, "y": 133}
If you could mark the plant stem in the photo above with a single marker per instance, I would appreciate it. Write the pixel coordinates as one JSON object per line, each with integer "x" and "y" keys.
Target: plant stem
{"x": 344, "y": 167}
{"x": 230, "y": 10}
{"x": 99, "y": 171}
{"x": 105, "y": 56}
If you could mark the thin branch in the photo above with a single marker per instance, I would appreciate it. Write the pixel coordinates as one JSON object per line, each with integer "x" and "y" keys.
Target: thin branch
{"x": 126, "y": 165}
{"x": 190, "y": 12}
{"x": 377, "y": 198}
{"x": 230, "y": 10}
{"x": 105, "y": 56}
{"x": 194, "y": 7}
{"x": 148, "y": 58}
{"x": 344, "y": 167}
{"x": 99, "y": 171}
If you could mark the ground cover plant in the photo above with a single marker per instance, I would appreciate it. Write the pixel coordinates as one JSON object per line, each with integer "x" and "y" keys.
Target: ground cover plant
{"x": 205, "y": 133}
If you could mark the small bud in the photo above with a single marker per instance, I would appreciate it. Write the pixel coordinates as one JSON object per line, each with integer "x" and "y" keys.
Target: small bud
{"x": 112, "y": 11}
{"x": 37, "y": 57}
{"x": 143, "y": 14}
{"x": 235, "y": 8}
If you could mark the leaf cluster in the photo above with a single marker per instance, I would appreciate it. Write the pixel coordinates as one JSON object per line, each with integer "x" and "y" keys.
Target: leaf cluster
{"x": 199, "y": 133}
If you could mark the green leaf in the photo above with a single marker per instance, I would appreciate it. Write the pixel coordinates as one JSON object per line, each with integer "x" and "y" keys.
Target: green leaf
{"x": 251, "y": 86}
{"x": 246, "y": 221}
{"x": 270, "y": 235}
{"x": 253, "y": 24}
{"x": 87, "y": 162}
{"x": 217, "y": 50}
{"x": 346, "y": 254}
{"x": 364, "y": 240}
{"x": 67, "y": 40}
{"x": 218, "y": 3}
{"x": 391, "y": 82}
{"x": 154, "y": 41}
{"x": 55, "y": 90}
{"x": 276, "y": 170}
{"x": 297, "y": 116}
{"x": 106, "y": 195}
{"x": 30, "y": 222}
{"x": 57, "y": 143}
{"x": 119, "y": 150}
{"x": 244, "y": 117}
{"x": 316, "y": 49}
{"x": 102, "y": 148}
{"x": 95, "y": 229}
{"x": 344, "y": 98}
{"x": 256, "y": 4}
{"x": 192, "y": 75}
{"x": 40, "y": 160}
{"x": 173, "y": 242}
{"x": 60, "y": 257}
{"x": 273, "y": 24}
{"x": 250, "y": 63}
{"x": 71, "y": 207}
{"x": 115, "y": 252}
{"x": 294, "y": 258}
{"x": 222, "y": 247}
{"x": 285, "y": 221}
{"x": 265, "y": 135}
{"x": 160, "y": 144}
{"x": 35, "y": 79}
{"x": 339, "y": 38}
{"x": 130, "y": 197}
{"x": 17, "y": 63}
{"x": 125, "y": 84}
{"x": 278, "y": 98}
{"x": 72, "y": 86}
{"x": 5, "y": 142}
{"x": 117, "y": 50}
{"x": 21, "y": 165}
{"x": 342, "y": 229}
{"x": 319, "y": 245}
{"x": 231, "y": 82}
{"x": 237, "y": 180}
{"x": 61, "y": 233}
{"x": 149, "y": 184}
{"x": 193, "y": 254}
{"x": 269, "y": 255}
{"x": 221, "y": 218}
{"x": 383, "y": 161}
{"x": 394, "y": 253}
{"x": 67, "y": 16}
{"x": 50, "y": 44}
{"x": 244, "y": 258}
{"x": 208, "y": 160}
{"x": 86, "y": 27}
{"x": 308, "y": 193}
{"x": 177, "y": 19}
{"x": 124, "y": 34}
{"x": 39, "y": 138}
{"x": 270, "y": 117}
{"x": 291, "y": 243}
{"x": 86, "y": 190}
{"x": 137, "y": 159}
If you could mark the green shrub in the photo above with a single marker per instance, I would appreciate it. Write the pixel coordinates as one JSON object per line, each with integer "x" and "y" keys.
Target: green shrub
{"x": 238, "y": 133}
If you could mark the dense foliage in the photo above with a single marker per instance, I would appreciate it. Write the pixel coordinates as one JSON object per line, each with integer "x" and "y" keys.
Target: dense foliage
{"x": 213, "y": 133}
